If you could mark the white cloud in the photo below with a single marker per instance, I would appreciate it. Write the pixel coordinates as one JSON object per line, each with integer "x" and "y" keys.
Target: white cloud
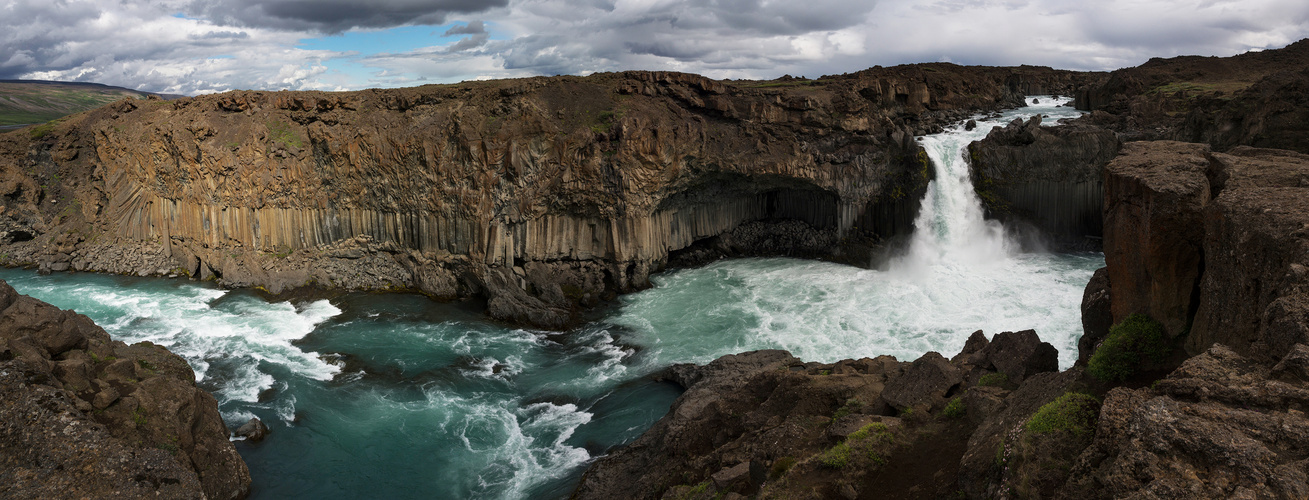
{"x": 224, "y": 45}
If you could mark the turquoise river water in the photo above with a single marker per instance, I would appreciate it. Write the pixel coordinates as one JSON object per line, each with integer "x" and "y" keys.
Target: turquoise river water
{"x": 395, "y": 396}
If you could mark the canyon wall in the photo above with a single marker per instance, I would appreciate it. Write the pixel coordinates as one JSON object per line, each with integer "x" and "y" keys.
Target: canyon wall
{"x": 465, "y": 189}
{"x": 1213, "y": 245}
{"x": 1050, "y": 177}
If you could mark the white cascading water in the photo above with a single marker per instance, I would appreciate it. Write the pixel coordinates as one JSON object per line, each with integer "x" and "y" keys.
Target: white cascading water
{"x": 951, "y": 229}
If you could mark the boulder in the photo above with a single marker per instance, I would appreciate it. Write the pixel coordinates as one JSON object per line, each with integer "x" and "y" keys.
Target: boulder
{"x": 253, "y": 431}
{"x": 925, "y": 384}
{"x": 1021, "y": 354}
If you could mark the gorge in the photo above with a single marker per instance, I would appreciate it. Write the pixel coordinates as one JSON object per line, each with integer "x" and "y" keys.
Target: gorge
{"x": 540, "y": 215}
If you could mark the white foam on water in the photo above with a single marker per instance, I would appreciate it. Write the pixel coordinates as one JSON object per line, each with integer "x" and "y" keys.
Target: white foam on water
{"x": 495, "y": 369}
{"x": 513, "y": 448}
{"x": 185, "y": 320}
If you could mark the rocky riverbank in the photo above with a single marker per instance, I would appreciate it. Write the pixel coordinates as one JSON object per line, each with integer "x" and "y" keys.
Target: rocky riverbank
{"x": 84, "y": 416}
{"x": 543, "y": 196}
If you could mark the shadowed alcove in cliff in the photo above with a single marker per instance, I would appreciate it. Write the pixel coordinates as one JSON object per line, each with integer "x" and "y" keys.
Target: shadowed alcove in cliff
{"x": 756, "y": 215}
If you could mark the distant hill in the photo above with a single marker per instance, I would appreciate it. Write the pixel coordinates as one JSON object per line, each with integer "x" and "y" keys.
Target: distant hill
{"x": 25, "y": 102}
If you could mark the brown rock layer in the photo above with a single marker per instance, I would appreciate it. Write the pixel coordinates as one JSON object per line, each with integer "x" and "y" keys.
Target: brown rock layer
{"x": 85, "y": 416}
{"x": 1220, "y": 426}
{"x": 778, "y": 425}
{"x": 1253, "y": 99}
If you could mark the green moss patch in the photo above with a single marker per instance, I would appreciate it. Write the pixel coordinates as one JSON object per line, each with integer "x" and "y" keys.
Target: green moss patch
{"x": 1137, "y": 340}
{"x": 1073, "y": 412}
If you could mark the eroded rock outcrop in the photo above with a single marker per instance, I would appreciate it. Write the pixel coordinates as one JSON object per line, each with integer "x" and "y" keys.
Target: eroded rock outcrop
{"x": 1220, "y": 426}
{"x": 463, "y": 190}
{"x": 85, "y": 416}
{"x": 1251, "y": 99}
{"x": 1212, "y": 245}
{"x": 765, "y": 423}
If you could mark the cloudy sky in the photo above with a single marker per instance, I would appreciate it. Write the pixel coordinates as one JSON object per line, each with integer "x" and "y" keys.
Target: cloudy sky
{"x": 203, "y": 46}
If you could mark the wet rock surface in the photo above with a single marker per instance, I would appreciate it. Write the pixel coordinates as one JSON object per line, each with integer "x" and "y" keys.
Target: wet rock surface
{"x": 84, "y": 416}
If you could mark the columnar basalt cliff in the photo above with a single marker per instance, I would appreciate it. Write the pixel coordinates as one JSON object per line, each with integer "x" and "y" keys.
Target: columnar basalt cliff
{"x": 1212, "y": 245}
{"x": 541, "y": 194}
{"x": 1051, "y": 177}
{"x": 83, "y": 416}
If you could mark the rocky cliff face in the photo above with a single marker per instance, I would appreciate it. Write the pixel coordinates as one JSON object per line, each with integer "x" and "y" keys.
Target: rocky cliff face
{"x": 541, "y": 194}
{"x": 1220, "y": 426}
{"x": 1050, "y": 177}
{"x": 82, "y": 416}
{"x": 1253, "y": 99}
{"x": 1212, "y": 245}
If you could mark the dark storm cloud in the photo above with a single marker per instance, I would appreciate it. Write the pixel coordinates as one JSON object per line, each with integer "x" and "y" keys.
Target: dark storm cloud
{"x": 335, "y": 16}
{"x": 469, "y": 43}
{"x": 473, "y": 28}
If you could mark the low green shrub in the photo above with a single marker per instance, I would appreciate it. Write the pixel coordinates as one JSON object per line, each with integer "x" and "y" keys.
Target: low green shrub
{"x": 853, "y": 405}
{"x": 1073, "y": 412}
{"x": 955, "y": 409}
{"x": 837, "y": 457}
{"x": 780, "y": 466}
{"x": 1135, "y": 341}
{"x": 997, "y": 379}
{"x": 867, "y": 438}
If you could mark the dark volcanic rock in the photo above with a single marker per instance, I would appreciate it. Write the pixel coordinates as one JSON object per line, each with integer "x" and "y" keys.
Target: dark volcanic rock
{"x": 1155, "y": 195}
{"x": 1254, "y": 296}
{"x": 1051, "y": 177}
{"x": 254, "y": 430}
{"x": 768, "y": 411}
{"x": 85, "y": 416}
{"x": 1220, "y": 426}
{"x": 1214, "y": 244}
{"x": 1252, "y": 99}
{"x": 924, "y": 384}
{"x": 1097, "y": 315}
{"x": 1020, "y": 355}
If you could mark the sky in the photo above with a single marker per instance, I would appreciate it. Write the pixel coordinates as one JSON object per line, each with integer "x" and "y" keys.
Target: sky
{"x": 204, "y": 46}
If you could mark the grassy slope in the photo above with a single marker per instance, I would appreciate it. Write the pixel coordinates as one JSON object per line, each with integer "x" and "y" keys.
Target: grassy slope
{"x": 39, "y": 102}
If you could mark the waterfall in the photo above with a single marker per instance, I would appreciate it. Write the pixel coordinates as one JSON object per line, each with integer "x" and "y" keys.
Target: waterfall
{"x": 950, "y": 229}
